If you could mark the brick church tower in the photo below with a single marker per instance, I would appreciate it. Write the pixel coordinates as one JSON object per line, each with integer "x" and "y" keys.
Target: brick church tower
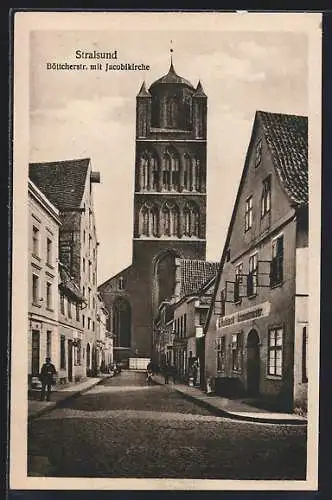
{"x": 169, "y": 205}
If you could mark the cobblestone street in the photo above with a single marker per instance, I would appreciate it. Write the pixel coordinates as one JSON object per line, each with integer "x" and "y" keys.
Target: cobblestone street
{"x": 125, "y": 428}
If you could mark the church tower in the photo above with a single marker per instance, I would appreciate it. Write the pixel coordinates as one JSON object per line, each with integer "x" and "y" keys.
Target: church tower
{"x": 169, "y": 204}
{"x": 170, "y": 179}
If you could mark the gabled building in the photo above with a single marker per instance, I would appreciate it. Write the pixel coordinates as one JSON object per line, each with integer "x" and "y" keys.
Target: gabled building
{"x": 68, "y": 185}
{"x": 43, "y": 281}
{"x": 257, "y": 326}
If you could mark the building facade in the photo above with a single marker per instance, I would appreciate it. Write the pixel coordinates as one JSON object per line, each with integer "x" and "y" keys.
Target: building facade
{"x": 169, "y": 207}
{"x": 43, "y": 335}
{"x": 257, "y": 328}
{"x": 69, "y": 186}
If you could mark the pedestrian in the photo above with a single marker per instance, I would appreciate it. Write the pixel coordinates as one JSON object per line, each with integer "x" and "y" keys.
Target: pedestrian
{"x": 47, "y": 378}
{"x": 166, "y": 373}
{"x": 173, "y": 370}
{"x": 195, "y": 372}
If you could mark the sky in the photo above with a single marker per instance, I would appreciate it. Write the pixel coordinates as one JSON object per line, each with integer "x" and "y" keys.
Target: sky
{"x": 92, "y": 113}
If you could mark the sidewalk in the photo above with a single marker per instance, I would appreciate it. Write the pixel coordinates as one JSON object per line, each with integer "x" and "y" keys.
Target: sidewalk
{"x": 233, "y": 408}
{"x": 60, "y": 394}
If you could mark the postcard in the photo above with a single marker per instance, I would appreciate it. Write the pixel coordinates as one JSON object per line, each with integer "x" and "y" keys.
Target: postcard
{"x": 166, "y": 250}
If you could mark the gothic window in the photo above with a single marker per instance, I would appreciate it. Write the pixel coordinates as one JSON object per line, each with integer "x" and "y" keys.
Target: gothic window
{"x": 167, "y": 220}
{"x": 175, "y": 221}
{"x": 167, "y": 172}
{"x": 144, "y": 172}
{"x": 171, "y": 112}
{"x": 175, "y": 172}
{"x": 187, "y": 172}
{"x": 145, "y": 221}
{"x": 155, "y": 174}
{"x": 155, "y": 221}
{"x": 191, "y": 220}
{"x": 197, "y": 174}
{"x": 187, "y": 113}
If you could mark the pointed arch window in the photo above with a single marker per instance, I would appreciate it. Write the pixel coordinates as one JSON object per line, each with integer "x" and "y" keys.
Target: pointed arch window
{"x": 191, "y": 220}
{"x": 155, "y": 174}
{"x": 167, "y": 172}
{"x": 175, "y": 172}
{"x": 175, "y": 221}
{"x": 197, "y": 173}
{"x": 155, "y": 221}
{"x": 144, "y": 171}
{"x": 167, "y": 220}
{"x": 145, "y": 221}
{"x": 171, "y": 112}
{"x": 187, "y": 172}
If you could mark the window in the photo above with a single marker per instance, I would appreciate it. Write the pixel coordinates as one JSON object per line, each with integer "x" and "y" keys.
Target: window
{"x": 69, "y": 307}
{"x": 83, "y": 265}
{"x": 77, "y": 312}
{"x": 77, "y": 352}
{"x": 221, "y": 354}
{"x": 83, "y": 320}
{"x": 62, "y": 352}
{"x": 266, "y": 197}
{"x": 236, "y": 352}
{"x": 304, "y": 354}
{"x": 277, "y": 263}
{"x": 93, "y": 326}
{"x": 258, "y": 157}
{"x": 49, "y": 295}
{"x": 93, "y": 303}
{"x": 89, "y": 323}
{"x": 185, "y": 325}
{"x": 83, "y": 237}
{"x": 35, "y": 289}
{"x": 121, "y": 284}
{"x": 35, "y": 240}
{"x": 238, "y": 281}
{"x": 275, "y": 352}
{"x": 248, "y": 214}
{"x": 49, "y": 344}
{"x": 89, "y": 297}
{"x": 49, "y": 251}
{"x": 252, "y": 276}
{"x": 62, "y": 303}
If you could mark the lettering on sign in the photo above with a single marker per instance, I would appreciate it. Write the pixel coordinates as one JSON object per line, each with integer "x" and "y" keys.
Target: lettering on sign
{"x": 259, "y": 311}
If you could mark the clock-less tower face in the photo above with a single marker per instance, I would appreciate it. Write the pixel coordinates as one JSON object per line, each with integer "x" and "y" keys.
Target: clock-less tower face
{"x": 170, "y": 179}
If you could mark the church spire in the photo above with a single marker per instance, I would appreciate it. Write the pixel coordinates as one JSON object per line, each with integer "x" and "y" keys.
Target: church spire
{"x": 143, "y": 91}
{"x": 171, "y": 68}
{"x": 199, "y": 90}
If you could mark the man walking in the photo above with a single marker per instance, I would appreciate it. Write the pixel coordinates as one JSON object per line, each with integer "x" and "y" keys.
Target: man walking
{"x": 47, "y": 378}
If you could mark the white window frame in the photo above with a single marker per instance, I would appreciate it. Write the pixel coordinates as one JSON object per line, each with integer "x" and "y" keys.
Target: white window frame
{"x": 274, "y": 370}
{"x": 248, "y": 213}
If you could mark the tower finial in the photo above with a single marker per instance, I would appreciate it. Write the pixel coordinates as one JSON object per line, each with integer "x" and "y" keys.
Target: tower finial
{"x": 171, "y": 52}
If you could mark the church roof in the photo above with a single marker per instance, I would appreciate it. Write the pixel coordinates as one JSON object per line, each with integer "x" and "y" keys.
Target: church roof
{"x": 63, "y": 182}
{"x": 195, "y": 274}
{"x": 199, "y": 90}
{"x": 172, "y": 77}
{"x": 143, "y": 91}
{"x": 287, "y": 139}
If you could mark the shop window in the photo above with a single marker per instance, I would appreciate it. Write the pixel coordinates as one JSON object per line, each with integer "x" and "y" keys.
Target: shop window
{"x": 277, "y": 263}
{"x": 221, "y": 354}
{"x": 252, "y": 276}
{"x": 266, "y": 197}
{"x": 275, "y": 352}
{"x": 237, "y": 352}
{"x": 62, "y": 352}
{"x": 248, "y": 214}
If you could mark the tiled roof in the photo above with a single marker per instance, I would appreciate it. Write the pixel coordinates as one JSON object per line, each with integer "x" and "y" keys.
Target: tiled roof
{"x": 62, "y": 182}
{"x": 195, "y": 274}
{"x": 287, "y": 139}
{"x": 69, "y": 284}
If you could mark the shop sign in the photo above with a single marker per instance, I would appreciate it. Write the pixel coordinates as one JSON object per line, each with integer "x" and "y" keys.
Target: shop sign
{"x": 251, "y": 313}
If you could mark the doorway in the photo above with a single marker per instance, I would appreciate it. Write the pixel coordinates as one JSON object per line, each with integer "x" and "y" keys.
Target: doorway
{"x": 70, "y": 360}
{"x": 253, "y": 364}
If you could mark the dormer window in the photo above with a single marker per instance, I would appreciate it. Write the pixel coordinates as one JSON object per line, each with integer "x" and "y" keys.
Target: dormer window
{"x": 258, "y": 157}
